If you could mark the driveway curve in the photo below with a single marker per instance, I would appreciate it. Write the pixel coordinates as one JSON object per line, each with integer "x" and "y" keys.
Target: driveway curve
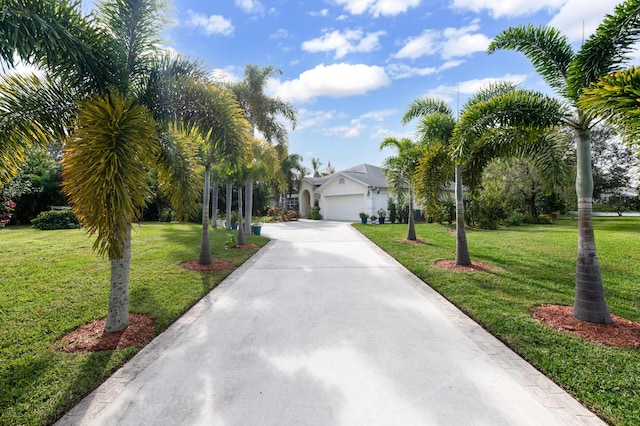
{"x": 322, "y": 327}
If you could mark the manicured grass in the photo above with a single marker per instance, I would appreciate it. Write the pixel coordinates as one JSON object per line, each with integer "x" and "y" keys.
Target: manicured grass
{"x": 534, "y": 265}
{"x": 51, "y": 282}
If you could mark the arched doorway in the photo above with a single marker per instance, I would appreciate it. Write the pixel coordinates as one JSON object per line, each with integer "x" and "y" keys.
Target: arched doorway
{"x": 304, "y": 203}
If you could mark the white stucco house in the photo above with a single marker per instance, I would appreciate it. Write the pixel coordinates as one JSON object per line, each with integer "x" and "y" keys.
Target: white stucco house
{"x": 343, "y": 195}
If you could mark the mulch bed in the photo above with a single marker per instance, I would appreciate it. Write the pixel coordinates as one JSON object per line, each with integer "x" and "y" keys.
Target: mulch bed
{"x": 416, "y": 241}
{"x": 622, "y": 333}
{"x": 92, "y": 338}
{"x": 451, "y": 266}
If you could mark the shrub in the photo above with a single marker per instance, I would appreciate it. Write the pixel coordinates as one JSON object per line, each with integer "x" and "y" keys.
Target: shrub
{"x": 290, "y": 215}
{"x": 166, "y": 215}
{"x": 403, "y": 213}
{"x": 393, "y": 211}
{"x": 56, "y": 219}
{"x": 6, "y": 208}
{"x": 514, "y": 219}
{"x": 315, "y": 213}
{"x": 538, "y": 220}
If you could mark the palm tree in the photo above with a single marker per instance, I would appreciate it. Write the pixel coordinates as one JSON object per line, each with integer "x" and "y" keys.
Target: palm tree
{"x": 315, "y": 165}
{"x": 569, "y": 73}
{"x": 400, "y": 171}
{"x": 118, "y": 73}
{"x": 262, "y": 113}
{"x": 291, "y": 173}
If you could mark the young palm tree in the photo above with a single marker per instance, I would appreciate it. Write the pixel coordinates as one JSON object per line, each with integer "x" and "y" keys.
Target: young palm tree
{"x": 315, "y": 165}
{"x": 262, "y": 113}
{"x": 292, "y": 172}
{"x": 569, "y": 73}
{"x": 400, "y": 171}
{"x": 482, "y": 142}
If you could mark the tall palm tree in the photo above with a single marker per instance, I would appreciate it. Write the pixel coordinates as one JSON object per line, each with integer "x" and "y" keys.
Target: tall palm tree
{"x": 569, "y": 73}
{"x": 292, "y": 172}
{"x": 400, "y": 171}
{"x": 262, "y": 112}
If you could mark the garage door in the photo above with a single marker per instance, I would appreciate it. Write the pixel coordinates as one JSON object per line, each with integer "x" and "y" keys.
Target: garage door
{"x": 343, "y": 207}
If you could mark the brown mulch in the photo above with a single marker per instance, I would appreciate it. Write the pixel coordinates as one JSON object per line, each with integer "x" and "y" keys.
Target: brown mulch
{"x": 216, "y": 265}
{"x": 416, "y": 241}
{"x": 622, "y": 333}
{"x": 451, "y": 266}
{"x": 92, "y": 338}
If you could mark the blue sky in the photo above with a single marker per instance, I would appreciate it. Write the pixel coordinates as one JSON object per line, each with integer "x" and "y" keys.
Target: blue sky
{"x": 351, "y": 67}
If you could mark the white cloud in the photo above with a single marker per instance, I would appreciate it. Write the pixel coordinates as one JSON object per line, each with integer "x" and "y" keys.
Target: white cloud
{"x": 309, "y": 119}
{"x": 344, "y": 43}
{"x": 470, "y": 87}
{"x": 353, "y": 130}
{"x": 226, "y": 75}
{"x": 280, "y": 33}
{"x": 575, "y": 13}
{"x": 336, "y": 80}
{"x": 509, "y": 8}
{"x": 214, "y": 24}
{"x": 398, "y": 71}
{"x": 450, "y": 43}
{"x": 378, "y": 7}
{"x": 323, "y": 12}
{"x": 378, "y": 115}
{"x": 250, "y": 6}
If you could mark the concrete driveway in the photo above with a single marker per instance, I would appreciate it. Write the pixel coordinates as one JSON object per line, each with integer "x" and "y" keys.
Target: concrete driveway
{"x": 323, "y": 328}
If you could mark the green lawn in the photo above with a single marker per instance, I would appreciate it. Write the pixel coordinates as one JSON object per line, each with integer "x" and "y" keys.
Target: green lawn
{"x": 51, "y": 282}
{"x": 535, "y": 265}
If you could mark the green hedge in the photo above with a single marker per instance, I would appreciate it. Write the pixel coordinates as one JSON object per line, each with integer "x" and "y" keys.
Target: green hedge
{"x": 56, "y": 219}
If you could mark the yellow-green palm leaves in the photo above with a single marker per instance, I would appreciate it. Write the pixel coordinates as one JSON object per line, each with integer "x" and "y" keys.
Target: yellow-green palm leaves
{"x": 105, "y": 168}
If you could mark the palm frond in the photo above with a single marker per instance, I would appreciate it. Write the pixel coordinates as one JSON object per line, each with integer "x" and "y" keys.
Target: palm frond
{"x": 548, "y": 50}
{"x": 179, "y": 174}
{"x": 425, "y": 106}
{"x": 606, "y": 49}
{"x": 525, "y": 109}
{"x": 34, "y": 110}
{"x": 55, "y": 35}
{"x": 105, "y": 166}
{"x": 433, "y": 174}
{"x": 616, "y": 98}
{"x": 436, "y": 128}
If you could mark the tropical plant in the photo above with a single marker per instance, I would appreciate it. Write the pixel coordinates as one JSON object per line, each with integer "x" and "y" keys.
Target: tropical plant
{"x": 116, "y": 77}
{"x": 400, "y": 171}
{"x": 569, "y": 73}
{"x": 262, "y": 112}
{"x": 315, "y": 165}
{"x": 291, "y": 172}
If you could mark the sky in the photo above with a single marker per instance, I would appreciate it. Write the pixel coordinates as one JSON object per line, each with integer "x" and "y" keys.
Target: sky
{"x": 351, "y": 67}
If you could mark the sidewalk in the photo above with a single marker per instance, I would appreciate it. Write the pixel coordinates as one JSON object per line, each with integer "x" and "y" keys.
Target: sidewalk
{"x": 323, "y": 328}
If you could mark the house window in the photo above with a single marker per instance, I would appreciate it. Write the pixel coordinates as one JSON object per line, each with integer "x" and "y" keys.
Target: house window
{"x": 291, "y": 204}
{"x": 341, "y": 181}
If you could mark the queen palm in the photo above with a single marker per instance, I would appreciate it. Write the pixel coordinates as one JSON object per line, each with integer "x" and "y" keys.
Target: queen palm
{"x": 569, "y": 73}
{"x": 262, "y": 113}
{"x": 400, "y": 171}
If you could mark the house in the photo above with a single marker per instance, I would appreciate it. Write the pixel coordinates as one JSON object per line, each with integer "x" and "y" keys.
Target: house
{"x": 343, "y": 195}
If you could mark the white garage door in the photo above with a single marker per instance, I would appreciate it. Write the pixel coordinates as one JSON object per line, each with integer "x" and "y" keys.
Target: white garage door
{"x": 343, "y": 207}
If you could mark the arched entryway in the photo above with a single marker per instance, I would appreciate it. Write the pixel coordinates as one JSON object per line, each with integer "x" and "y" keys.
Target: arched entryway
{"x": 304, "y": 203}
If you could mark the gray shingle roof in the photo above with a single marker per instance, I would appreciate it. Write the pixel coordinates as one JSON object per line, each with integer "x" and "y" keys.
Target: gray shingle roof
{"x": 367, "y": 174}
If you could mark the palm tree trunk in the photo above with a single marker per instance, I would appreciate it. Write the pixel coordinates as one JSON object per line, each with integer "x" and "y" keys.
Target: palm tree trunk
{"x": 228, "y": 206}
{"x": 248, "y": 205}
{"x": 240, "y": 230}
{"x": 118, "y": 314}
{"x": 205, "y": 251}
{"x": 589, "y": 304}
{"x": 462, "y": 251}
{"x": 214, "y": 204}
{"x": 411, "y": 231}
